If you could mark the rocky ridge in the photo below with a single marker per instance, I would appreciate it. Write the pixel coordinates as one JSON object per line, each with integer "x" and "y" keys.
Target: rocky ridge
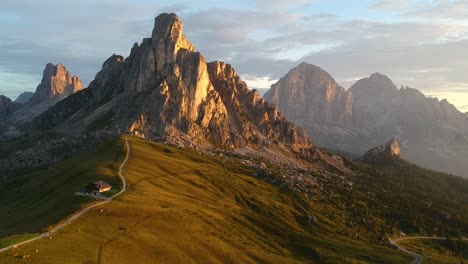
{"x": 166, "y": 91}
{"x": 57, "y": 83}
{"x": 374, "y": 110}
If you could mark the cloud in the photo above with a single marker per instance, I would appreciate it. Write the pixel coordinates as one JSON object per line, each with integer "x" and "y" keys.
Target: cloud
{"x": 256, "y": 82}
{"x": 440, "y": 9}
{"x": 391, "y": 5}
{"x": 81, "y": 35}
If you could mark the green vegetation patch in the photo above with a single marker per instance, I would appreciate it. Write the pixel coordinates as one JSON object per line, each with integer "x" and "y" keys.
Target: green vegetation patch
{"x": 34, "y": 200}
{"x": 439, "y": 251}
{"x": 10, "y": 240}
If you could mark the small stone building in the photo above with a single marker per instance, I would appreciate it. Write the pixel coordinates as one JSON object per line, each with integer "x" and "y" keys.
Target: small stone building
{"x": 98, "y": 186}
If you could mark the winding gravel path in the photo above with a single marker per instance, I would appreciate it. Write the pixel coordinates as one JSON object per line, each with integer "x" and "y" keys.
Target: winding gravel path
{"x": 79, "y": 213}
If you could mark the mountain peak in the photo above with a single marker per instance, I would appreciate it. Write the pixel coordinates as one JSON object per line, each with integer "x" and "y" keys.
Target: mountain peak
{"x": 24, "y": 97}
{"x": 376, "y": 83}
{"x": 307, "y": 68}
{"x": 167, "y": 39}
{"x": 378, "y": 76}
{"x": 308, "y": 89}
{"x": 57, "y": 83}
{"x": 389, "y": 149}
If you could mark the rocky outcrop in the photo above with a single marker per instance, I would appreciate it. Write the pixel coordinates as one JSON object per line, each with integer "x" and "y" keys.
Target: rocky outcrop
{"x": 24, "y": 97}
{"x": 377, "y": 110}
{"x": 165, "y": 90}
{"x": 390, "y": 149}
{"x": 7, "y": 107}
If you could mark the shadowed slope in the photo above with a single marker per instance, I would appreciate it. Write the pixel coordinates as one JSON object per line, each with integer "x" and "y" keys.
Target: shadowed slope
{"x": 34, "y": 200}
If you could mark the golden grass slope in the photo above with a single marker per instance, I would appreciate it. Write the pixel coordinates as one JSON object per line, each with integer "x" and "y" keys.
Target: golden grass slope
{"x": 184, "y": 207}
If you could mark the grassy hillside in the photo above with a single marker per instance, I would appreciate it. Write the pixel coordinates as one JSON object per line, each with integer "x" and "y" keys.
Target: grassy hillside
{"x": 183, "y": 207}
{"x": 34, "y": 200}
{"x": 434, "y": 251}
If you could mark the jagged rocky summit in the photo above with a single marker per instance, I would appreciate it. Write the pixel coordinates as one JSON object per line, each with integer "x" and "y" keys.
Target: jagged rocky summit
{"x": 165, "y": 90}
{"x": 57, "y": 83}
{"x": 431, "y": 131}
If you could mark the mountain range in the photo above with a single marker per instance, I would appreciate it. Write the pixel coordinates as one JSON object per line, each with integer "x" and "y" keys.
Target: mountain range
{"x": 202, "y": 169}
{"x": 57, "y": 83}
{"x": 432, "y": 133}
{"x": 165, "y": 91}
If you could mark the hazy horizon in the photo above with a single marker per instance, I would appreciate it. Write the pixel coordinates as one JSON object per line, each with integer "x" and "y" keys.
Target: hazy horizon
{"x": 421, "y": 44}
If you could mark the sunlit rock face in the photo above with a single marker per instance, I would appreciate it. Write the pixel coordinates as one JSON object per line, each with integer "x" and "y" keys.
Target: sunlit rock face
{"x": 310, "y": 97}
{"x": 309, "y": 94}
{"x": 166, "y": 90}
{"x": 390, "y": 149}
{"x": 369, "y": 113}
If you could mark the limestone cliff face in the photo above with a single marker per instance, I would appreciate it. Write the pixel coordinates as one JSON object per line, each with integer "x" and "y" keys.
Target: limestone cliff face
{"x": 373, "y": 98}
{"x": 431, "y": 131}
{"x": 7, "y": 107}
{"x": 310, "y": 97}
{"x": 166, "y": 90}
{"x": 309, "y": 94}
{"x": 57, "y": 83}
{"x": 250, "y": 116}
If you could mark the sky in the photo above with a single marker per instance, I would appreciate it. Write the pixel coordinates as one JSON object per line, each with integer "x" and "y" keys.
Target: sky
{"x": 421, "y": 44}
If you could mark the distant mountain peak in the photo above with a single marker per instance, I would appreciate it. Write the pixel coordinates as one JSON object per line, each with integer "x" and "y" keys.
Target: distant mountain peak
{"x": 375, "y": 83}
{"x": 307, "y": 89}
{"x": 307, "y": 68}
{"x": 7, "y": 106}
{"x": 24, "y": 97}
{"x": 389, "y": 149}
{"x": 57, "y": 83}
{"x": 377, "y": 75}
